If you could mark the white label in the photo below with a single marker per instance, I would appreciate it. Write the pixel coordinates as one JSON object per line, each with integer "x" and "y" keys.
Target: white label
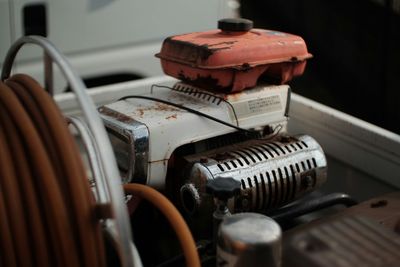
{"x": 258, "y": 106}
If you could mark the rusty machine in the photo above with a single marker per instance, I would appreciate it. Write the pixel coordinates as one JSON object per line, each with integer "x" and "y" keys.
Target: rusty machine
{"x": 215, "y": 142}
{"x": 220, "y": 120}
{"x": 211, "y": 152}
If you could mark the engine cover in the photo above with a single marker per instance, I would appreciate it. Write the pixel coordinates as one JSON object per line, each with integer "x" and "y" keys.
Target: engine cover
{"x": 144, "y": 134}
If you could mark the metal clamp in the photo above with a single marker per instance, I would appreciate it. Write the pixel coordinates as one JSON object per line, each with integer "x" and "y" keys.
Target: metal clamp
{"x": 110, "y": 182}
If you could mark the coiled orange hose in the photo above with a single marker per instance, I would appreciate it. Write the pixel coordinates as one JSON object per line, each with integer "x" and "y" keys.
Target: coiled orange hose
{"x": 174, "y": 217}
{"x": 47, "y": 210}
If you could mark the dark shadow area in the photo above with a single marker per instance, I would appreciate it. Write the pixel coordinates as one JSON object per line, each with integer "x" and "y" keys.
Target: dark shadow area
{"x": 107, "y": 79}
{"x": 356, "y": 48}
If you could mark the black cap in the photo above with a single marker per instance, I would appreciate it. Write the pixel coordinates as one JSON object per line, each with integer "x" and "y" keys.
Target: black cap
{"x": 223, "y": 188}
{"x": 235, "y": 25}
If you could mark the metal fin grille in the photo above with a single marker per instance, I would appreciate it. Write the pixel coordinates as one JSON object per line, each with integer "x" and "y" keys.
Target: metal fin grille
{"x": 264, "y": 151}
{"x": 278, "y": 186}
{"x": 271, "y": 173}
{"x": 193, "y": 91}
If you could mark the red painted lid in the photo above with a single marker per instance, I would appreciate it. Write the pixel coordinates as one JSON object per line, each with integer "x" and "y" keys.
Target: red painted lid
{"x": 234, "y": 45}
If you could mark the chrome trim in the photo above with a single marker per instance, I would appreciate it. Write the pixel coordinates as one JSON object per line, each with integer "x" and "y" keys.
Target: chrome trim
{"x": 272, "y": 172}
{"x": 137, "y": 135}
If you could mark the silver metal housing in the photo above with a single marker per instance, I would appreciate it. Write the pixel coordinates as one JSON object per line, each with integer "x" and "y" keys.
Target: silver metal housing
{"x": 130, "y": 141}
{"x": 249, "y": 239}
{"x": 272, "y": 173}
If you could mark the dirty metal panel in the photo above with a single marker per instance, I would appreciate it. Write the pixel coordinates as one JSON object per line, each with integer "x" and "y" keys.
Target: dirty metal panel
{"x": 345, "y": 241}
{"x": 170, "y": 127}
{"x": 232, "y": 61}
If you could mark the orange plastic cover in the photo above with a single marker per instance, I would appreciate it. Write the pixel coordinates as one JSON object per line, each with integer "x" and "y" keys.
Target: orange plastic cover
{"x": 233, "y": 60}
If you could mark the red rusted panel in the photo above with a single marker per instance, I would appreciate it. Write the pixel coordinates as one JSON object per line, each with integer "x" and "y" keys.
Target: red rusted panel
{"x": 233, "y": 60}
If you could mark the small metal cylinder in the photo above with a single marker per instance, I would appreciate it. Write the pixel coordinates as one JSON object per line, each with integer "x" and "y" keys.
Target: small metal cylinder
{"x": 249, "y": 239}
{"x": 272, "y": 173}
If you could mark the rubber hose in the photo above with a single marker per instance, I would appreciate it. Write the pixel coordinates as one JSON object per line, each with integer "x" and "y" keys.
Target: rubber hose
{"x": 76, "y": 194}
{"x": 7, "y": 243}
{"x": 295, "y": 210}
{"x": 60, "y": 227}
{"x": 36, "y": 229}
{"x": 46, "y": 206}
{"x": 173, "y": 216}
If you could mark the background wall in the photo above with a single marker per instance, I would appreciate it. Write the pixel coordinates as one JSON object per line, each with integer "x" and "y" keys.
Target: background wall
{"x": 356, "y": 48}
{"x": 106, "y": 41}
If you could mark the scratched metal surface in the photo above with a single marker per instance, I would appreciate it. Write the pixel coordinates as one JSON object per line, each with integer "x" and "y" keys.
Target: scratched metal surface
{"x": 361, "y": 156}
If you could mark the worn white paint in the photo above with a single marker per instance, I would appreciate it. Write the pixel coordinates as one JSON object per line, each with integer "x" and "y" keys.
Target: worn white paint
{"x": 359, "y": 144}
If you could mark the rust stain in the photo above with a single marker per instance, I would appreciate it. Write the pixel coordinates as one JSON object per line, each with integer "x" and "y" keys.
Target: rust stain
{"x": 193, "y": 52}
{"x": 156, "y": 107}
{"x": 234, "y": 97}
{"x": 164, "y": 107}
{"x": 223, "y": 156}
{"x": 171, "y": 117}
{"x": 117, "y": 115}
{"x": 204, "y": 82}
{"x": 141, "y": 112}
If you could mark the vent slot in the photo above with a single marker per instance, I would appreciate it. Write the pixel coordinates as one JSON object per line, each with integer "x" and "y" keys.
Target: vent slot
{"x": 303, "y": 165}
{"x": 264, "y": 192}
{"x": 282, "y": 184}
{"x": 255, "y": 153}
{"x": 220, "y": 167}
{"x": 249, "y": 181}
{"x": 249, "y": 155}
{"x": 288, "y": 149}
{"x": 309, "y": 164}
{"x": 269, "y": 190}
{"x": 276, "y": 190}
{"x": 294, "y": 181}
{"x": 227, "y": 165}
{"x": 186, "y": 89}
{"x": 304, "y": 143}
{"x": 241, "y": 156}
{"x": 260, "y": 151}
{"x": 273, "y": 149}
{"x": 288, "y": 186}
{"x": 257, "y": 204}
{"x": 243, "y": 184}
{"x": 233, "y": 164}
{"x": 267, "y": 149}
{"x": 294, "y": 147}
{"x": 299, "y": 146}
{"x": 240, "y": 162}
{"x": 297, "y": 167}
{"x": 314, "y": 162}
{"x": 279, "y": 147}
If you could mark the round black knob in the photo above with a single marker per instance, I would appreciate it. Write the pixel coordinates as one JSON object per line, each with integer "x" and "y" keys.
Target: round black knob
{"x": 235, "y": 25}
{"x": 223, "y": 188}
